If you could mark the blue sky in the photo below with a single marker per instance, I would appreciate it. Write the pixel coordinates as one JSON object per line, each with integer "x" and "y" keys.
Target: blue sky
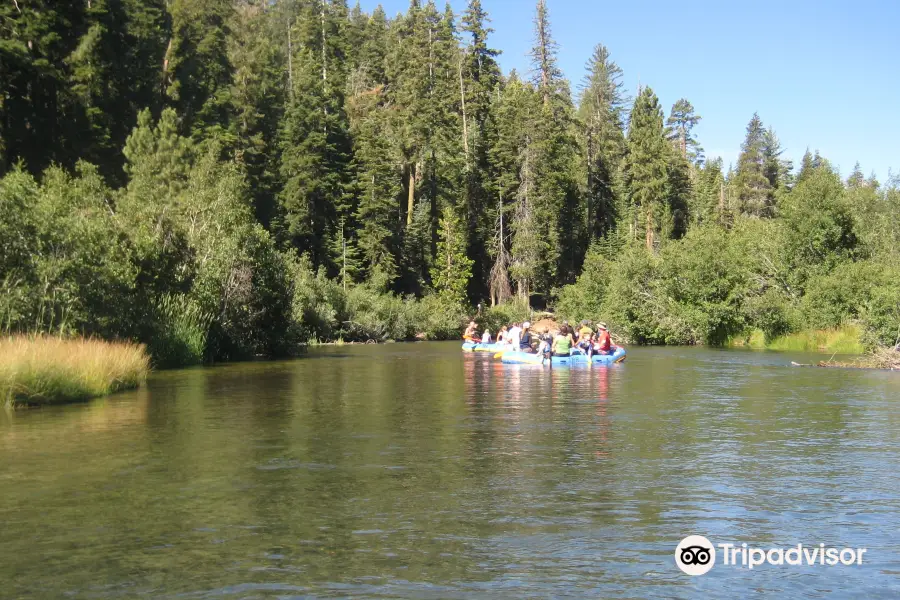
{"x": 824, "y": 74}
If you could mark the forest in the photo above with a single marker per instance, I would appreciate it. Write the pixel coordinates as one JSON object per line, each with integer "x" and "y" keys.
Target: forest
{"x": 222, "y": 179}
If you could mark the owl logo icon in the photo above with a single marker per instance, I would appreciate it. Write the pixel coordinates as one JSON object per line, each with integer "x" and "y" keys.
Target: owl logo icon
{"x": 695, "y": 555}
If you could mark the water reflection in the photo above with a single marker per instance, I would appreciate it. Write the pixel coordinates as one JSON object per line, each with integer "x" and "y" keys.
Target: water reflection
{"x": 415, "y": 471}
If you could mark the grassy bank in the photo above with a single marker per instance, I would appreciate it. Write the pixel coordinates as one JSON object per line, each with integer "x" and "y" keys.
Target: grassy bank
{"x": 51, "y": 370}
{"x": 842, "y": 340}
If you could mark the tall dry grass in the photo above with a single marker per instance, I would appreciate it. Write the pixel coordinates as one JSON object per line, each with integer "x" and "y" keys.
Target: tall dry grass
{"x": 49, "y": 370}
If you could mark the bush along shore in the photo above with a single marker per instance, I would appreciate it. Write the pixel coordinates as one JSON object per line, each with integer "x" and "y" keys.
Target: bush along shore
{"x": 39, "y": 370}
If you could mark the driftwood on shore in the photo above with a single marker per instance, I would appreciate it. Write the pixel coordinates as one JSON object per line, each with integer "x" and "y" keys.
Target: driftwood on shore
{"x": 882, "y": 358}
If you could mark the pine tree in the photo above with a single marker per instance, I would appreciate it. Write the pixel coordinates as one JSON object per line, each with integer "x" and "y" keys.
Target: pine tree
{"x": 777, "y": 170}
{"x": 602, "y": 113}
{"x": 407, "y": 69}
{"x": 555, "y": 196}
{"x": 856, "y": 179}
{"x": 452, "y": 268}
{"x": 647, "y": 167}
{"x": 513, "y": 111}
{"x": 679, "y": 126}
{"x": 314, "y": 140}
{"x": 41, "y": 120}
{"x": 258, "y": 99}
{"x": 529, "y": 244}
{"x": 809, "y": 164}
{"x": 708, "y": 198}
{"x": 376, "y": 156}
{"x": 755, "y": 192}
{"x": 196, "y": 70}
{"x": 479, "y": 78}
{"x": 546, "y": 72}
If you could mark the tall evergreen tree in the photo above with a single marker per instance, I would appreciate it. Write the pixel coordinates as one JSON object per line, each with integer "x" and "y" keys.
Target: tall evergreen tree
{"x": 453, "y": 267}
{"x": 754, "y": 190}
{"x": 555, "y": 195}
{"x": 856, "y": 179}
{"x": 808, "y": 164}
{"x": 258, "y": 99}
{"x": 708, "y": 198}
{"x": 602, "y": 112}
{"x": 314, "y": 139}
{"x": 197, "y": 71}
{"x": 479, "y": 78}
{"x": 546, "y": 72}
{"x": 679, "y": 126}
{"x": 777, "y": 170}
{"x": 514, "y": 111}
{"x": 41, "y": 119}
{"x": 647, "y": 168}
{"x": 376, "y": 154}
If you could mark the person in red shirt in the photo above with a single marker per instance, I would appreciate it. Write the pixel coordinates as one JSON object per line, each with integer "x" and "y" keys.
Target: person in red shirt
{"x": 603, "y": 343}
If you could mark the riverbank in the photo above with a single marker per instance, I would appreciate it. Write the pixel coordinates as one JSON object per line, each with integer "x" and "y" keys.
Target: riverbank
{"x": 881, "y": 358}
{"x": 842, "y": 340}
{"x": 50, "y": 370}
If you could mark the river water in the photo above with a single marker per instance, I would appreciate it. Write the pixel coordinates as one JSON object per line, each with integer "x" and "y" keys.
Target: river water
{"x": 415, "y": 471}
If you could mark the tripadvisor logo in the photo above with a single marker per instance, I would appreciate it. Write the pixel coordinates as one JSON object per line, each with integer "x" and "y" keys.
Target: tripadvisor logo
{"x": 696, "y": 555}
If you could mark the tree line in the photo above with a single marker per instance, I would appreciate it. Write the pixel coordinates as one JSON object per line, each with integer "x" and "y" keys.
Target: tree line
{"x": 219, "y": 172}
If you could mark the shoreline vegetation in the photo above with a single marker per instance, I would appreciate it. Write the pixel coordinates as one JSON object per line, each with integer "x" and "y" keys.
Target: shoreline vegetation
{"x": 40, "y": 370}
{"x": 184, "y": 175}
{"x": 887, "y": 359}
{"x": 842, "y": 340}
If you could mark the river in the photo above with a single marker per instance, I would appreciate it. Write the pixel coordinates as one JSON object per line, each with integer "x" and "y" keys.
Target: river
{"x": 415, "y": 471}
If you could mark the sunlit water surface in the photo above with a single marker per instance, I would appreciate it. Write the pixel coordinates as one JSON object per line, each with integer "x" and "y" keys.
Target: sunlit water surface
{"x": 415, "y": 471}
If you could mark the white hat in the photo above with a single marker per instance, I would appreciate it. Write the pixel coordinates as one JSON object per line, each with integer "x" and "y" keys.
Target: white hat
{"x": 526, "y": 324}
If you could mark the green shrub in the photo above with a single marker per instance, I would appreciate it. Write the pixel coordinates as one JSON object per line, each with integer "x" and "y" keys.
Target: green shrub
{"x": 181, "y": 332}
{"x": 439, "y": 319}
{"x": 866, "y": 292}
{"x": 373, "y": 315}
{"x": 514, "y": 310}
{"x": 318, "y": 305}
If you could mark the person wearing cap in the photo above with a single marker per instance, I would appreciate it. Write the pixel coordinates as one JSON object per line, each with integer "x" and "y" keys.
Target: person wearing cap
{"x": 525, "y": 341}
{"x": 603, "y": 343}
{"x": 585, "y": 332}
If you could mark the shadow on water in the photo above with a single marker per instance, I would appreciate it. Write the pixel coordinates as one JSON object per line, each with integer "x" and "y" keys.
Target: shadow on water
{"x": 413, "y": 470}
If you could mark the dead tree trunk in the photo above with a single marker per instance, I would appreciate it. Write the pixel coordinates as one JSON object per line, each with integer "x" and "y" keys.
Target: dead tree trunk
{"x": 411, "y": 197}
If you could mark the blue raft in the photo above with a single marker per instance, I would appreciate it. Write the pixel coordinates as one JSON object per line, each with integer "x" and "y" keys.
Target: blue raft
{"x": 576, "y": 358}
{"x": 479, "y": 347}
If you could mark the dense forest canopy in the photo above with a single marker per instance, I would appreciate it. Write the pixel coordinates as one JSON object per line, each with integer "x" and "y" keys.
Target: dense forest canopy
{"x": 212, "y": 174}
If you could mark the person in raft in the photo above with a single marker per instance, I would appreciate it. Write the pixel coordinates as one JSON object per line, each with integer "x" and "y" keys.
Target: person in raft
{"x": 562, "y": 343}
{"x": 546, "y": 342}
{"x": 514, "y": 338}
{"x": 471, "y": 332}
{"x": 486, "y": 336}
{"x": 502, "y": 335}
{"x": 525, "y": 340}
{"x": 602, "y": 342}
{"x": 584, "y": 336}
